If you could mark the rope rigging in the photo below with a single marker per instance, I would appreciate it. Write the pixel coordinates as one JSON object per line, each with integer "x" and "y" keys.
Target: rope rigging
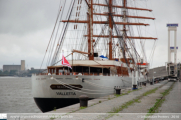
{"x": 81, "y": 91}
{"x": 51, "y": 35}
{"x": 120, "y": 37}
{"x": 103, "y": 88}
{"x": 121, "y": 47}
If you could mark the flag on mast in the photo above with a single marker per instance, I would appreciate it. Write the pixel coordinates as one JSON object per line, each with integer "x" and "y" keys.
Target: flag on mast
{"x": 65, "y": 61}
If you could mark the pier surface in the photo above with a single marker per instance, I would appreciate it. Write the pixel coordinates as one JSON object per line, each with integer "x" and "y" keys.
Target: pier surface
{"x": 172, "y": 103}
{"x": 162, "y": 97}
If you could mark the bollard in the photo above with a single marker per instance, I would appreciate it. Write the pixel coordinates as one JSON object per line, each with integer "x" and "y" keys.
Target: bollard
{"x": 118, "y": 91}
{"x": 151, "y": 83}
{"x": 83, "y": 100}
{"x": 134, "y": 87}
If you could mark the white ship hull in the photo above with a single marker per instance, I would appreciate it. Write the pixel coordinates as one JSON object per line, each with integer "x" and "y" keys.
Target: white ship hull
{"x": 48, "y": 99}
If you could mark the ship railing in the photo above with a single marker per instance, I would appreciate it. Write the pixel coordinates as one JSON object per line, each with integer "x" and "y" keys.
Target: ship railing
{"x": 90, "y": 74}
{"x": 77, "y": 73}
{"x": 83, "y": 73}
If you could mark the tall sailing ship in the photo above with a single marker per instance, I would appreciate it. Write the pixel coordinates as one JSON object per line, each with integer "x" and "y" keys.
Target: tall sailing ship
{"x": 97, "y": 39}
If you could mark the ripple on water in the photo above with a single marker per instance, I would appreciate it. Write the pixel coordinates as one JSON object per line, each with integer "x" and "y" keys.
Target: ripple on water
{"x": 16, "y": 95}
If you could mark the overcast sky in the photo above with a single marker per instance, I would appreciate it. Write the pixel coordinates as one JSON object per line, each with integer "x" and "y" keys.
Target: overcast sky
{"x": 26, "y": 27}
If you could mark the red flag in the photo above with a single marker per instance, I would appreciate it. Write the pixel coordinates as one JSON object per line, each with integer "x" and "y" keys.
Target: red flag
{"x": 65, "y": 62}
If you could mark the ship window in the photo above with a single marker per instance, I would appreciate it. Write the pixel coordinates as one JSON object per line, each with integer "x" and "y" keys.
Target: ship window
{"x": 80, "y": 69}
{"x": 85, "y": 69}
{"x": 95, "y": 70}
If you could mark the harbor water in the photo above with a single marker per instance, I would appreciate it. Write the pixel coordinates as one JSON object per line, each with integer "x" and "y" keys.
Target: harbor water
{"x": 16, "y": 96}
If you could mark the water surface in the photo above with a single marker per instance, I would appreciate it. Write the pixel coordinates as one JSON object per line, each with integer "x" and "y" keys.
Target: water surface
{"x": 16, "y": 96}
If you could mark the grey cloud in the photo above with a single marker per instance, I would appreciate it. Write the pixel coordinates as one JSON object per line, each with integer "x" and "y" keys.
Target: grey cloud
{"x": 24, "y": 16}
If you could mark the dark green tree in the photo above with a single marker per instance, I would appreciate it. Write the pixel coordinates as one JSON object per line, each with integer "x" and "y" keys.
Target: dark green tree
{"x": 6, "y": 73}
{"x": 13, "y": 72}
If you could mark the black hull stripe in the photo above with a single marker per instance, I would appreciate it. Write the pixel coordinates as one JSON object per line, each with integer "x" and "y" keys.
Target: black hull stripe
{"x": 49, "y": 104}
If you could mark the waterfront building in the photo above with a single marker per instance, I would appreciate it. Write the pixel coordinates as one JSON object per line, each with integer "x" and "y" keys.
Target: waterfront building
{"x": 15, "y": 67}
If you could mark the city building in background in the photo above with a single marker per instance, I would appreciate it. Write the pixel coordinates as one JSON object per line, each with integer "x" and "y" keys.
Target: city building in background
{"x": 22, "y": 65}
{"x": 19, "y": 70}
{"x": 15, "y": 67}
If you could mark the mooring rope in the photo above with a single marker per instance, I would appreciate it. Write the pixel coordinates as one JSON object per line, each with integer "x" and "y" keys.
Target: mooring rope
{"x": 82, "y": 88}
{"x": 79, "y": 90}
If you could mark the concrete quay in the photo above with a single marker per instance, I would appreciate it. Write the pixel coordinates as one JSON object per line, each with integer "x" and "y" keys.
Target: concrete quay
{"x": 107, "y": 102}
{"x": 131, "y": 105}
{"x": 172, "y": 103}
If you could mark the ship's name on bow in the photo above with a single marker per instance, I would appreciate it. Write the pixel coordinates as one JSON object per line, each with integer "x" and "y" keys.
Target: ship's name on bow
{"x": 66, "y": 93}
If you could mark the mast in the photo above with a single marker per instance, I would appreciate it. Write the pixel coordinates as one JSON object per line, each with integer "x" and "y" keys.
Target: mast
{"x": 90, "y": 31}
{"x": 110, "y": 29}
{"x": 124, "y": 26}
{"x": 90, "y": 22}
